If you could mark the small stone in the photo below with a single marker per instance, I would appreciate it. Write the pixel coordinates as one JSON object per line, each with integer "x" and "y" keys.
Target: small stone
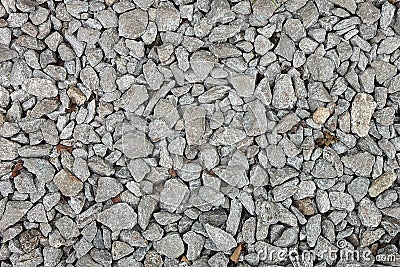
{"x": 8, "y": 149}
{"x": 76, "y": 95}
{"x": 194, "y": 119}
{"x": 283, "y": 95}
{"x": 350, "y": 5}
{"x": 386, "y": 115}
{"x": 195, "y": 244}
{"x": 67, "y": 227}
{"x": 167, "y": 17}
{"x": 227, "y": 136}
{"x": 369, "y": 237}
{"x": 202, "y": 62}
{"x": 321, "y": 114}
{"x": 4, "y": 97}
{"x": 146, "y": 207}
{"x": 358, "y": 188}
{"x": 68, "y": 184}
{"x": 341, "y": 201}
{"x": 100, "y": 166}
{"x": 13, "y": 212}
{"x": 153, "y": 76}
{"x": 321, "y": 68}
{"x": 172, "y": 195}
{"x": 288, "y": 238}
{"x": 362, "y": 108}
{"x": 107, "y": 188}
{"x": 24, "y": 183}
{"x": 243, "y": 84}
{"x": 313, "y": 229}
{"x": 389, "y": 45}
{"x": 133, "y": 24}
{"x": 51, "y": 256}
{"x": 218, "y": 259}
{"x": 369, "y": 214}
{"x": 262, "y": 45}
{"x": 276, "y": 156}
{"x": 382, "y": 183}
{"x": 133, "y": 97}
{"x": 82, "y": 247}
{"x": 136, "y": 145}
{"x": 285, "y": 48}
{"x": 294, "y": 29}
{"x": 368, "y": 12}
{"x": 120, "y": 249}
{"x": 40, "y": 87}
{"x": 118, "y": 217}
{"x": 305, "y": 206}
{"x": 153, "y": 259}
{"x": 222, "y": 240}
{"x": 322, "y": 200}
{"x": 384, "y": 70}
{"x": 323, "y": 169}
{"x": 170, "y": 245}
{"x": 143, "y": 4}
{"x": 138, "y": 169}
{"x": 360, "y": 163}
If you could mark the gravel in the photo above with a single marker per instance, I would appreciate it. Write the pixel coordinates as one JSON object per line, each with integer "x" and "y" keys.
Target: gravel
{"x": 199, "y": 133}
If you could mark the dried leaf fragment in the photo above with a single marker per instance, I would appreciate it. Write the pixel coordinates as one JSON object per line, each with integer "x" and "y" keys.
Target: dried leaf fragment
{"x": 184, "y": 259}
{"x": 172, "y": 172}
{"x": 64, "y": 199}
{"x": 305, "y": 206}
{"x": 236, "y": 253}
{"x": 17, "y": 168}
{"x": 72, "y": 108}
{"x": 60, "y": 148}
{"x": 327, "y": 140}
{"x": 296, "y": 127}
{"x": 211, "y": 172}
{"x": 116, "y": 199}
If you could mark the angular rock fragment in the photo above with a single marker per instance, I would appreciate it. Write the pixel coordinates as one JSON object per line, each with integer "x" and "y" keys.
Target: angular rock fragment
{"x": 243, "y": 84}
{"x": 133, "y": 24}
{"x": 381, "y": 183}
{"x": 222, "y": 240}
{"x": 194, "y": 119}
{"x": 173, "y": 194}
{"x": 170, "y": 245}
{"x": 118, "y": 217}
{"x": 228, "y": 136}
{"x": 13, "y": 212}
{"x": 368, "y": 13}
{"x": 202, "y": 62}
{"x": 320, "y": 115}
{"x": 136, "y": 145}
{"x": 341, "y": 201}
{"x": 67, "y": 227}
{"x": 369, "y": 214}
{"x": 8, "y": 149}
{"x": 134, "y": 97}
{"x": 323, "y": 169}
{"x": 40, "y": 87}
{"x": 67, "y": 183}
{"x": 362, "y": 108}
{"x": 167, "y": 17}
{"x": 360, "y": 163}
{"x": 107, "y": 188}
{"x": 283, "y": 95}
{"x": 321, "y": 68}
